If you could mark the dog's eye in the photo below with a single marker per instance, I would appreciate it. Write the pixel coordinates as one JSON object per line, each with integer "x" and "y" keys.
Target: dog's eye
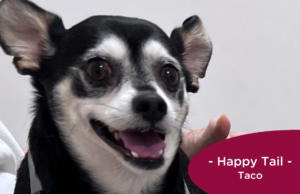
{"x": 170, "y": 76}
{"x": 98, "y": 69}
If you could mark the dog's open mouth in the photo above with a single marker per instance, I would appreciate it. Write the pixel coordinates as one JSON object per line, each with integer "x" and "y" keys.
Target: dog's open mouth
{"x": 144, "y": 149}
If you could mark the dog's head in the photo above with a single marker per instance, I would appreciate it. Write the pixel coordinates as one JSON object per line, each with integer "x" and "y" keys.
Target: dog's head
{"x": 116, "y": 86}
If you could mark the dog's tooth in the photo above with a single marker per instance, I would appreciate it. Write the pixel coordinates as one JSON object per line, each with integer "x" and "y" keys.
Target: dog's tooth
{"x": 160, "y": 152}
{"x": 116, "y": 135}
{"x": 135, "y": 155}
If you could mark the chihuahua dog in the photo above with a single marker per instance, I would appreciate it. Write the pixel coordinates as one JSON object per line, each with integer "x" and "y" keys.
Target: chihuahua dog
{"x": 111, "y": 97}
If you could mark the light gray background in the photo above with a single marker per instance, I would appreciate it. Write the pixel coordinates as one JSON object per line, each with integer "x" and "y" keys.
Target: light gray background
{"x": 254, "y": 75}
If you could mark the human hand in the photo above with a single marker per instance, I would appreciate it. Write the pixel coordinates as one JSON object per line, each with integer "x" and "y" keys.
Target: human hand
{"x": 217, "y": 130}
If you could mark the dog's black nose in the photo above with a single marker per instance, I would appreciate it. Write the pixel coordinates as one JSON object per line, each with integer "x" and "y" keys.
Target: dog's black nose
{"x": 150, "y": 106}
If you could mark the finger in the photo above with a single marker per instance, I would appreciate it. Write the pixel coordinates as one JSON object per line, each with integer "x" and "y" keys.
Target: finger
{"x": 196, "y": 140}
{"x": 217, "y": 130}
{"x": 221, "y": 129}
{"x": 235, "y": 134}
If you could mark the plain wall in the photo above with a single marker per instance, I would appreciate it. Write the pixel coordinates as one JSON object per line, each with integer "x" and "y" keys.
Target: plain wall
{"x": 253, "y": 77}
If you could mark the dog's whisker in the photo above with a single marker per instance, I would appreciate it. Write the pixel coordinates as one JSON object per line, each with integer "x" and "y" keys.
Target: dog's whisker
{"x": 113, "y": 114}
{"x": 72, "y": 128}
{"x": 98, "y": 104}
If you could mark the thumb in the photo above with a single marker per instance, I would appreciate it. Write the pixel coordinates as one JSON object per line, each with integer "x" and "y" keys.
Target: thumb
{"x": 196, "y": 140}
{"x": 216, "y": 130}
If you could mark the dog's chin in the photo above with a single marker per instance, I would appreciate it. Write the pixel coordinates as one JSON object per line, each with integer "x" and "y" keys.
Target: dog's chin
{"x": 142, "y": 150}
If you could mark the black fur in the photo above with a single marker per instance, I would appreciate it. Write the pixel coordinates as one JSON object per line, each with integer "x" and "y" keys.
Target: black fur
{"x": 59, "y": 172}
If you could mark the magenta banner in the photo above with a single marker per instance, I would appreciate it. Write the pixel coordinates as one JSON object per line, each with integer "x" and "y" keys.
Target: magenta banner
{"x": 266, "y": 162}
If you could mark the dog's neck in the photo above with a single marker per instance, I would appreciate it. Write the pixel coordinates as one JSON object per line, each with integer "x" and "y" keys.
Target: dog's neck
{"x": 60, "y": 172}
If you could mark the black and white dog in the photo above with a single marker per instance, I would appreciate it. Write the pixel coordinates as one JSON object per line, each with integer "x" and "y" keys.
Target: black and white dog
{"x": 111, "y": 99}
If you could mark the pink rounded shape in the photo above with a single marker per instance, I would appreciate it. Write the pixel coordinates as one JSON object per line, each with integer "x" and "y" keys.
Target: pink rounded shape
{"x": 279, "y": 175}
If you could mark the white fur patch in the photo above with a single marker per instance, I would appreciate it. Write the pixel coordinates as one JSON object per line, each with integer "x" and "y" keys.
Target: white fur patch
{"x": 153, "y": 50}
{"x": 111, "y": 46}
{"x": 106, "y": 166}
{"x": 173, "y": 121}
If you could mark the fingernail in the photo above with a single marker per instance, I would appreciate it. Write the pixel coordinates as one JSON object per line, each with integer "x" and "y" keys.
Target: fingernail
{"x": 223, "y": 116}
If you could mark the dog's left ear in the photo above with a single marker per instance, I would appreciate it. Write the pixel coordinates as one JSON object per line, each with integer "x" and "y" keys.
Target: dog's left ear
{"x": 195, "y": 47}
{"x": 25, "y": 33}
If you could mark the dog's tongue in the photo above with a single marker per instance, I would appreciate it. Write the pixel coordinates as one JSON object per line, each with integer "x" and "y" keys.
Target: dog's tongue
{"x": 146, "y": 145}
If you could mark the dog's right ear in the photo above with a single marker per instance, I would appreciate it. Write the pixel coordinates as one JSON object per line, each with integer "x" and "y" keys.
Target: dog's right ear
{"x": 195, "y": 47}
{"x": 25, "y": 33}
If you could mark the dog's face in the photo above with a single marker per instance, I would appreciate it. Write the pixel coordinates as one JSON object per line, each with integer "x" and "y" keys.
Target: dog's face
{"x": 128, "y": 88}
{"x": 117, "y": 87}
